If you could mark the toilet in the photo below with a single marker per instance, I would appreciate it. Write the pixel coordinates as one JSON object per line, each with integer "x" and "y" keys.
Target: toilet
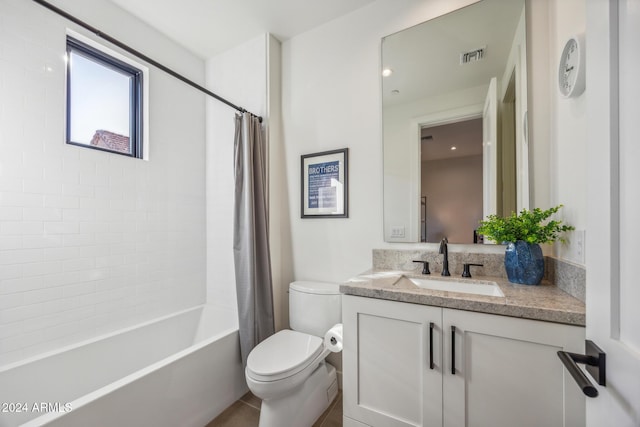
{"x": 288, "y": 370}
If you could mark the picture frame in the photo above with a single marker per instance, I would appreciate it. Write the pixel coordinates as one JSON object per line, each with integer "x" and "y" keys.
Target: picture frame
{"x": 324, "y": 184}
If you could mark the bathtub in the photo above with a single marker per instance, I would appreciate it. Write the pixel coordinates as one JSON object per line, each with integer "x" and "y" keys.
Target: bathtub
{"x": 178, "y": 370}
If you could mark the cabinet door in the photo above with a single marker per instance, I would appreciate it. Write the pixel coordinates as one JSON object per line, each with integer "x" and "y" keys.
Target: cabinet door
{"x": 507, "y": 372}
{"x": 388, "y": 380}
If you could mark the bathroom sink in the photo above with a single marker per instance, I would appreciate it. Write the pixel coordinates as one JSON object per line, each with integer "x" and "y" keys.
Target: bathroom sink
{"x": 477, "y": 287}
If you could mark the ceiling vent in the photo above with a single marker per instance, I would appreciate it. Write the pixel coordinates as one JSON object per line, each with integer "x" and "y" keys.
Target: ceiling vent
{"x": 473, "y": 55}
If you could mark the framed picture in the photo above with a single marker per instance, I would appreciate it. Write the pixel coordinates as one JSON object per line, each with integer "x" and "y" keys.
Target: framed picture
{"x": 324, "y": 189}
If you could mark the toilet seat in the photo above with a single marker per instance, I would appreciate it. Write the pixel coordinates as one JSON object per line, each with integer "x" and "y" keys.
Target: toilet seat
{"x": 283, "y": 355}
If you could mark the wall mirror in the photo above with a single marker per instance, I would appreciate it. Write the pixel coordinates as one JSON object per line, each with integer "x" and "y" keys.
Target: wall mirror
{"x": 454, "y": 113}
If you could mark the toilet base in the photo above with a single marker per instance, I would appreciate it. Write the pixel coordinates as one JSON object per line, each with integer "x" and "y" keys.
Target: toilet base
{"x": 304, "y": 405}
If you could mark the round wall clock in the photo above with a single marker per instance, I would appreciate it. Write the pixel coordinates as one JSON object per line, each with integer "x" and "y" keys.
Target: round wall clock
{"x": 571, "y": 81}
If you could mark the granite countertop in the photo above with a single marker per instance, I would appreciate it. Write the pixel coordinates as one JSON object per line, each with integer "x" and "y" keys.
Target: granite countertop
{"x": 545, "y": 302}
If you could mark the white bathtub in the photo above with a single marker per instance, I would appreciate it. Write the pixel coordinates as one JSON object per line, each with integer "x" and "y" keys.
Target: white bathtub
{"x": 179, "y": 370}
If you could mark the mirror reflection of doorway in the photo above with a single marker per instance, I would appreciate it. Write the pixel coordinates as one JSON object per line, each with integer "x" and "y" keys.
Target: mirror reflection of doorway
{"x": 451, "y": 179}
{"x": 507, "y": 176}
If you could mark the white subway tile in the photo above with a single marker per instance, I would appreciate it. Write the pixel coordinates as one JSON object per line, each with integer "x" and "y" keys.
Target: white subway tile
{"x": 21, "y": 228}
{"x": 78, "y": 264}
{"x": 109, "y": 238}
{"x": 109, "y": 215}
{"x": 13, "y": 343}
{"x": 94, "y": 179}
{"x": 33, "y": 338}
{"x": 20, "y": 256}
{"x": 79, "y": 289}
{"x": 83, "y": 239}
{"x": 41, "y": 187}
{"x": 21, "y": 199}
{"x": 97, "y": 273}
{"x": 56, "y": 173}
{"x": 86, "y": 332}
{"x": 42, "y": 214}
{"x": 89, "y": 241}
{"x": 44, "y": 241}
{"x": 22, "y": 284}
{"x": 41, "y": 295}
{"x": 92, "y": 203}
{"x": 41, "y": 268}
{"x": 93, "y": 227}
{"x": 10, "y": 242}
{"x": 62, "y": 227}
{"x": 61, "y": 254}
{"x": 64, "y": 278}
{"x": 76, "y": 315}
{"x": 19, "y": 170}
{"x": 64, "y": 202}
{"x": 80, "y": 190}
{"x": 72, "y": 214}
{"x": 10, "y": 271}
{"x": 10, "y": 330}
{"x": 11, "y": 300}
{"x": 96, "y": 250}
{"x": 10, "y": 184}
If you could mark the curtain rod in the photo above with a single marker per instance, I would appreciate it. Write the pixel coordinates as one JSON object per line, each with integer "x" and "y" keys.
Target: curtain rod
{"x": 141, "y": 56}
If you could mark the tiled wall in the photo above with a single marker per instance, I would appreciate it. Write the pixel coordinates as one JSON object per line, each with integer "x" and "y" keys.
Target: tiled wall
{"x": 92, "y": 241}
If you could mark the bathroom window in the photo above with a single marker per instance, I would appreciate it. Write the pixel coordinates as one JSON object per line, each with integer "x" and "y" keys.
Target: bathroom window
{"x": 104, "y": 101}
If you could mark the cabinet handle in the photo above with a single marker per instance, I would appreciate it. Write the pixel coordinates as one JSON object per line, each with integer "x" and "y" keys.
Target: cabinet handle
{"x": 453, "y": 350}
{"x": 431, "y": 326}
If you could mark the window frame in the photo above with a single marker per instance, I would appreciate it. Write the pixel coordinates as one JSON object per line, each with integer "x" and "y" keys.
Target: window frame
{"x": 136, "y": 95}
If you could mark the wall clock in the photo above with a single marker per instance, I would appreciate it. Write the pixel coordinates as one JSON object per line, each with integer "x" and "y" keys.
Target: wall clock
{"x": 571, "y": 69}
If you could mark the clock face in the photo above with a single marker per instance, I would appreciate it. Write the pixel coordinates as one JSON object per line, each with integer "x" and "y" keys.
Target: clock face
{"x": 570, "y": 70}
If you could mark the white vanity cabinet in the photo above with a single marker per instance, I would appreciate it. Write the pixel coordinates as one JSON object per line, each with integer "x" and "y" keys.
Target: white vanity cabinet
{"x": 387, "y": 380}
{"x": 507, "y": 372}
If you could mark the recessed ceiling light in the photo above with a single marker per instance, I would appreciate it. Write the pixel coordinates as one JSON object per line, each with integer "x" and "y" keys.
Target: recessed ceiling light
{"x": 387, "y": 72}
{"x": 454, "y": 148}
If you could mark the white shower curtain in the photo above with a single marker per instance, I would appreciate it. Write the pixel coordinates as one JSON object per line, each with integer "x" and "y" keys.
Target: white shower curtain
{"x": 251, "y": 238}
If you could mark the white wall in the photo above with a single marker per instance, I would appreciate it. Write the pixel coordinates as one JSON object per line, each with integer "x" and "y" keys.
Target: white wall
{"x": 247, "y": 75}
{"x": 92, "y": 241}
{"x": 331, "y": 99}
{"x": 238, "y": 75}
{"x": 568, "y": 126}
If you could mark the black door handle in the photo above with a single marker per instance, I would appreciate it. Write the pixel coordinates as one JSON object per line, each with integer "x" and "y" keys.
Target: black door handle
{"x": 595, "y": 359}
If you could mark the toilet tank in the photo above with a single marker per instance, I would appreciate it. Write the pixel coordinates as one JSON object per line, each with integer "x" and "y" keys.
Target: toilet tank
{"x": 314, "y": 307}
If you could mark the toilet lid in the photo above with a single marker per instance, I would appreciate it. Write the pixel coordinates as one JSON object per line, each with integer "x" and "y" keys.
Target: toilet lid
{"x": 283, "y": 355}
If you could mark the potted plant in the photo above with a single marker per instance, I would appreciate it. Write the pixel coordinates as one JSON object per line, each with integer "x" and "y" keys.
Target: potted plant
{"x": 523, "y": 233}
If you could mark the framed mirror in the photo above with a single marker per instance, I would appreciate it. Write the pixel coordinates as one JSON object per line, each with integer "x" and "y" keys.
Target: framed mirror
{"x": 454, "y": 113}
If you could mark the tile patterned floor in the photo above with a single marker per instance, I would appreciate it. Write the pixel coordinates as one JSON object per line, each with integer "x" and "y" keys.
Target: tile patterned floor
{"x": 246, "y": 413}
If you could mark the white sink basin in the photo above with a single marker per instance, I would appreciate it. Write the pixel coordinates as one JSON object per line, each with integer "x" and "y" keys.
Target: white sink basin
{"x": 477, "y": 287}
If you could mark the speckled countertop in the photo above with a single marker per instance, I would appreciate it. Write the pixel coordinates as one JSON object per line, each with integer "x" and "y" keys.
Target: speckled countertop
{"x": 544, "y": 302}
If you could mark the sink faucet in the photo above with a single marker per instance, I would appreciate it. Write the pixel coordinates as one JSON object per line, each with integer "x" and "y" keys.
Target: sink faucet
{"x": 445, "y": 260}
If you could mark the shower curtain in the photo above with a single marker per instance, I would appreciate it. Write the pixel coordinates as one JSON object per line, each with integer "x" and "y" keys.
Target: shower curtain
{"x": 251, "y": 240}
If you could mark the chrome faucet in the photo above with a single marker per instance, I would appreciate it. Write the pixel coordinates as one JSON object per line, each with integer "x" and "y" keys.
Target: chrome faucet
{"x": 445, "y": 260}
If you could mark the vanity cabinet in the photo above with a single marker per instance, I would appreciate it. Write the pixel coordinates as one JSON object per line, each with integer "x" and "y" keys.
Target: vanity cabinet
{"x": 387, "y": 380}
{"x": 487, "y": 370}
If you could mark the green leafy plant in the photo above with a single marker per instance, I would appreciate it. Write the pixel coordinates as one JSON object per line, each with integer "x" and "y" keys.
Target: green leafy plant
{"x": 529, "y": 226}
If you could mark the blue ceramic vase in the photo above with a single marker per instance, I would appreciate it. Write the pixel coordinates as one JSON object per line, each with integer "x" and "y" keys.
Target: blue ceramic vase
{"x": 524, "y": 263}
